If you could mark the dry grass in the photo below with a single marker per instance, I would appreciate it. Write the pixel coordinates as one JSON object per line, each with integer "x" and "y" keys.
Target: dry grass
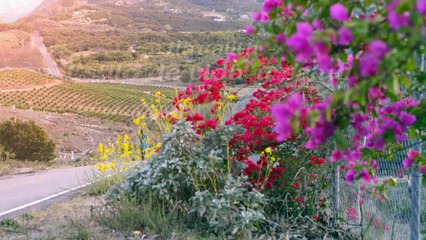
{"x": 18, "y": 51}
{"x": 59, "y": 221}
{"x": 11, "y": 167}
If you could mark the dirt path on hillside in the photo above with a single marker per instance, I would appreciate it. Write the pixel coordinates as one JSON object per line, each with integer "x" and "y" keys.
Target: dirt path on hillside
{"x": 47, "y": 85}
{"x": 38, "y": 42}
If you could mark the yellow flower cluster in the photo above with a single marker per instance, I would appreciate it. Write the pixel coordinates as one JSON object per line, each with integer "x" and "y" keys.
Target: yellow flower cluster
{"x": 232, "y": 97}
{"x": 102, "y": 167}
{"x": 105, "y": 151}
{"x": 185, "y": 102}
{"x": 268, "y": 152}
{"x": 125, "y": 149}
{"x": 140, "y": 122}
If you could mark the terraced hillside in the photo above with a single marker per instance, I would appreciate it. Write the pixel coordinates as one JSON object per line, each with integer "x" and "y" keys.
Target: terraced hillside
{"x": 117, "y": 102}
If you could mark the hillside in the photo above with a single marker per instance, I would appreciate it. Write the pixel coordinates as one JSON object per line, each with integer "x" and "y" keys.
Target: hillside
{"x": 138, "y": 15}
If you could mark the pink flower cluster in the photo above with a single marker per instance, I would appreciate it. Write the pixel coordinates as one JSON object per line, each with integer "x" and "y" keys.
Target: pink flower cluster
{"x": 308, "y": 49}
{"x": 370, "y": 132}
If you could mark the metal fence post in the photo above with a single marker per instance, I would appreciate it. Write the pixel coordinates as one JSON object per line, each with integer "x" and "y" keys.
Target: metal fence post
{"x": 415, "y": 181}
{"x": 415, "y": 200}
{"x": 336, "y": 181}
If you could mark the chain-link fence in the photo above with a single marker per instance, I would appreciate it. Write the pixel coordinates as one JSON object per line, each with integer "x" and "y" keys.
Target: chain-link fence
{"x": 402, "y": 215}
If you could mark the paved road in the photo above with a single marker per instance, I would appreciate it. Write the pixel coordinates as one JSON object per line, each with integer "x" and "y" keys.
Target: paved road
{"x": 53, "y": 68}
{"x": 25, "y": 192}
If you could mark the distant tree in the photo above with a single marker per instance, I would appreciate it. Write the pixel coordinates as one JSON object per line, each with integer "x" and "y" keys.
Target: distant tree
{"x": 26, "y": 140}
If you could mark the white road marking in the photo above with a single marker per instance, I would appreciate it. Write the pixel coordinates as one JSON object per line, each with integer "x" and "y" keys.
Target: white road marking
{"x": 51, "y": 197}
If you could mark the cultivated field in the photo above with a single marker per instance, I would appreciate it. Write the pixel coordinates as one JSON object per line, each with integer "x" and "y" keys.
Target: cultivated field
{"x": 23, "y": 79}
{"x": 117, "y": 102}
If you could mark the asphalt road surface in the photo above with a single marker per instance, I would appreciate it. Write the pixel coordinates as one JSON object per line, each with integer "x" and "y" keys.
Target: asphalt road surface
{"x": 53, "y": 68}
{"x": 22, "y": 193}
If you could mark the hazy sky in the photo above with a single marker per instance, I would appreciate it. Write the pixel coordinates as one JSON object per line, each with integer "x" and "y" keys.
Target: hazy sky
{"x": 12, "y": 10}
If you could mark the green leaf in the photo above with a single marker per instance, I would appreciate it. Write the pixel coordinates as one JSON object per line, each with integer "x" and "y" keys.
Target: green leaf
{"x": 340, "y": 139}
{"x": 411, "y": 64}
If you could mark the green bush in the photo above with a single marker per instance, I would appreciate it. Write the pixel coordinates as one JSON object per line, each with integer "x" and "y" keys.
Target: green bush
{"x": 193, "y": 179}
{"x": 5, "y": 155}
{"x": 26, "y": 140}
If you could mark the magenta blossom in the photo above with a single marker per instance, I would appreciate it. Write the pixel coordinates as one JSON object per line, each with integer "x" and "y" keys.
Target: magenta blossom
{"x": 350, "y": 176}
{"x": 230, "y": 57}
{"x": 339, "y": 13}
{"x": 374, "y": 53}
{"x": 365, "y": 176}
{"x": 421, "y": 7}
{"x": 300, "y": 44}
{"x": 283, "y": 114}
{"x": 269, "y": 5}
{"x": 280, "y": 38}
{"x": 407, "y": 119}
{"x": 397, "y": 21}
{"x": 249, "y": 30}
{"x": 317, "y": 24}
{"x": 408, "y": 162}
{"x": 345, "y": 36}
{"x": 256, "y": 16}
{"x": 335, "y": 156}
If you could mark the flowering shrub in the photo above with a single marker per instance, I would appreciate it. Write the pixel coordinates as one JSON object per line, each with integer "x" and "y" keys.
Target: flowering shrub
{"x": 219, "y": 176}
{"x": 368, "y": 49}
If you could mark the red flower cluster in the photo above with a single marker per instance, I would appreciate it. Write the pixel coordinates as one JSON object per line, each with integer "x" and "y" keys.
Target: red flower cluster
{"x": 275, "y": 79}
{"x": 316, "y": 160}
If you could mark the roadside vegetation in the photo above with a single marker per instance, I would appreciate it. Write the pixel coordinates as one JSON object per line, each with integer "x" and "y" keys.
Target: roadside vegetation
{"x": 25, "y": 141}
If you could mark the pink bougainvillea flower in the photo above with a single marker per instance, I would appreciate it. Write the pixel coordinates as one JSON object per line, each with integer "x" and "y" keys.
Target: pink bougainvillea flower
{"x": 369, "y": 61}
{"x": 408, "y": 162}
{"x": 283, "y": 114}
{"x": 406, "y": 118}
{"x": 280, "y": 38}
{"x": 260, "y": 17}
{"x": 269, "y": 5}
{"x": 422, "y": 170}
{"x": 339, "y": 13}
{"x": 300, "y": 44}
{"x": 335, "y": 156}
{"x": 231, "y": 57}
{"x": 256, "y": 16}
{"x": 412, "y": 154}
{"x": 377, "y": 48}
{"x": 249, "y": 30}
{"x": 365, "y": 176}
{"x": 350, "y": 176}
{"x": 345, "y": 36}
{"x": 396, "y": 21}
{"x": 421, "y": 6}
{"x": 317, "y": 24}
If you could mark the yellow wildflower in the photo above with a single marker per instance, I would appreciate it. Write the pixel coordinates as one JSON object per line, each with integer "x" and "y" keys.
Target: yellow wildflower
{"x": 232, "y": 97}
{"x": 102, "y": 167}
{"x": 268, "y": 150}
{"x": 112, "y": 165}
